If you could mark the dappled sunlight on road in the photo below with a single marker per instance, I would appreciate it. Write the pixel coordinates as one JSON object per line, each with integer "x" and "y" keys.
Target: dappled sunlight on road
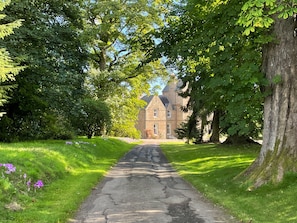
{"x": 143, "y": 187}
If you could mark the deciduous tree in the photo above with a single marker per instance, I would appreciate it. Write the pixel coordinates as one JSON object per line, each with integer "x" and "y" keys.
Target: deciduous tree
{"x": 92, "y": 118}
{"x": 221, "y": 68}
{"x": 49, "y": 45}
{"x": 114, "y": 33}
{"x": 278, "y": 154}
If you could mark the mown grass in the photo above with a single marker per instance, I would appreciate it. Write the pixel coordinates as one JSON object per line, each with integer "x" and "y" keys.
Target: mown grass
{"x": 69, "y": 172}
{"x": 212, "y": 168}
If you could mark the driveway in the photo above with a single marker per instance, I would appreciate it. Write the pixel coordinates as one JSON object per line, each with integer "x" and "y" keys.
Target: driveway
{"x": 144, "y": 188}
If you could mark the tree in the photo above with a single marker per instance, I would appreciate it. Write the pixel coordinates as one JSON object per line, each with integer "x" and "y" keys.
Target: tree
{"x": 49, "y": 45}
{"x": 9, "y": 69}
{"x": 92, "y": 118}
{"x": 114, "y": 32}
{"x": 221, "y": 68}
{"x": 278, "y": 154}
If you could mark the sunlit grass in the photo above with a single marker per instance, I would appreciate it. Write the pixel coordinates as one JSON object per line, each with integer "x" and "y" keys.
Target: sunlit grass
{"x": 69, "y": 172}
{"x": 212, "y": 168}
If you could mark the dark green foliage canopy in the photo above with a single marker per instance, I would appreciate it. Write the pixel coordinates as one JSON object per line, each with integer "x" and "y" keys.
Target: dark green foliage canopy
{"x": 48, "y": 44}
{"x": 93, "y": 118}
{"x": 77, "y": 49}
{"x": 220, "y": 65}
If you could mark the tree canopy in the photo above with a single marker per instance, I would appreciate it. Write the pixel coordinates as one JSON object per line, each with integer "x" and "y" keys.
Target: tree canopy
{"x": 8, "y": 68}
{"x": 221, "y": 66}
{"x": 48, "y": 44}
{"x": 233, "y": 55}
{"x": 114, "y": 31}
{"x": 72, "y": 50}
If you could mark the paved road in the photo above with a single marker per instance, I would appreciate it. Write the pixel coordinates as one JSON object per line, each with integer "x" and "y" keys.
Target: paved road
{"x": 144, "y": 188}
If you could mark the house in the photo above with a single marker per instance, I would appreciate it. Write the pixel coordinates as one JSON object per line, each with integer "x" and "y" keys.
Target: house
{"x": 162, "y": 114}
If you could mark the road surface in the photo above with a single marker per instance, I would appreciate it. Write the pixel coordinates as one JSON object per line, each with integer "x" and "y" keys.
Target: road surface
{"x": 144, "y": 188}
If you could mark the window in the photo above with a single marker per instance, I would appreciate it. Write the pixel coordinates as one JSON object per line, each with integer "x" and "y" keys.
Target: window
{"x": 156, "y": 129}
{"x": 155, "y": 113}
{"x": 168, "y": 114}
{"x": 168, "y": 129}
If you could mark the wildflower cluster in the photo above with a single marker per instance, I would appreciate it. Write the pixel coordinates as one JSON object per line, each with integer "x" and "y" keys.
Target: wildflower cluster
{"x": 17, "y": 180}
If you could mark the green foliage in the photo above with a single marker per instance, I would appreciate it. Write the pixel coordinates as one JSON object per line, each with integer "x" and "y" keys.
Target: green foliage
{"x": 221, "y": 68}
{"x": 48, "y": 43}
{"x": 61, "y": 42}
{"x": 8, "y": 68}
{"x": 93, "y": 118}
{"x": 184, "y": 132}
{"x": 260, "y": 14}
{"x": 50, "y": 125}
{"x": 114, "y": 32}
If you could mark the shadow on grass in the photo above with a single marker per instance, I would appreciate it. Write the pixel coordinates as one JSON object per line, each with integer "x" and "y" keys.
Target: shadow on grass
{"x": 212, "y": 168}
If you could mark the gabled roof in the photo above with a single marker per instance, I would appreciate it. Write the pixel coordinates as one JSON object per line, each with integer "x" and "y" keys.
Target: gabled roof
{"x": 164, "y": 100}
{"x": 147, "y": 99}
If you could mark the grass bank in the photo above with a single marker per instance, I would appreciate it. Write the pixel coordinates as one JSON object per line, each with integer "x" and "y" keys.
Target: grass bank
{"x": 68, "y": 171}
{"x": 211, "y": 169}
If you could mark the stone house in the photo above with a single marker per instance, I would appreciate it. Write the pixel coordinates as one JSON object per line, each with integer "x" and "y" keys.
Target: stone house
{"x": 162, "y": 114}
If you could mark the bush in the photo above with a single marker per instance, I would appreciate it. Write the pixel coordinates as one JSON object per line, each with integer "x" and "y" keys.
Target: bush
{"x": 92, "y": 118}
{"x": 50, "y": 125}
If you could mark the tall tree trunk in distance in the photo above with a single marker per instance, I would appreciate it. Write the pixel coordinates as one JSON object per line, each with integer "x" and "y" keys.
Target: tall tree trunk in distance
{"x": 215, "y": 127}
{"x": 102, "y": 58}
{"x": 279, "y": 149}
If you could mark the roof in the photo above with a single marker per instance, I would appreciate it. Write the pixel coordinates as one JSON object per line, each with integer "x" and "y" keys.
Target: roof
{"x": 164, "y": 100}
{"x": 166, "y": 88}
{"x": 147, "y": 99}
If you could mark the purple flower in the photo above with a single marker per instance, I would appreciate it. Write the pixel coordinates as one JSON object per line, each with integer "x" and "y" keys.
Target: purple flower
{"x": 38, "y": 184}
{"x": 28, "y": 183}
{"x": 9, "y": 168}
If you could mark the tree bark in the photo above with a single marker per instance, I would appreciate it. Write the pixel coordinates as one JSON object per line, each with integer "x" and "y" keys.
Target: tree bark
{"x": 279, "y": 149}
{"x": 215, "y": 127}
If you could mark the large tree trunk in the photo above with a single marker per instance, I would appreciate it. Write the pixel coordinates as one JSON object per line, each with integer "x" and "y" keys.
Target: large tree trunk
{"x": 215, "y": 127}
{"x": 279, "y": 149}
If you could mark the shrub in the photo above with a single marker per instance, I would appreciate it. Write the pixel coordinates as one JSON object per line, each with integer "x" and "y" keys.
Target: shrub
{"x": 93, "y": 118}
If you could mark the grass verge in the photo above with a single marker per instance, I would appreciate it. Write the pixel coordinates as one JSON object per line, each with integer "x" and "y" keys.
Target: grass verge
{"x": 211, "y": 169}
{"x": 69, "y": 171}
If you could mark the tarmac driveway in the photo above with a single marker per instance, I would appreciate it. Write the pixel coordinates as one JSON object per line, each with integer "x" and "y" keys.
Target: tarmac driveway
{"x": 143, "y": 187}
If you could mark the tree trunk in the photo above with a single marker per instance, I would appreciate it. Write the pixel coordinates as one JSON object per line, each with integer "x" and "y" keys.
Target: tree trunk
{"x": 279, "y": 149}
{"x": 102, "y": 59}
{"x": 215, "y": 127}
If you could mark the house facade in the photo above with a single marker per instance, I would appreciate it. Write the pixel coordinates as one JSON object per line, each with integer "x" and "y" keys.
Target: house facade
{"x": 162, "y": 114}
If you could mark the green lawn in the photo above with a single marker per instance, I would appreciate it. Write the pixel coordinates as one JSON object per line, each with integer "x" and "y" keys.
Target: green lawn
{"x": 211, "y": 169}
{"x": 68, "y": 171}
